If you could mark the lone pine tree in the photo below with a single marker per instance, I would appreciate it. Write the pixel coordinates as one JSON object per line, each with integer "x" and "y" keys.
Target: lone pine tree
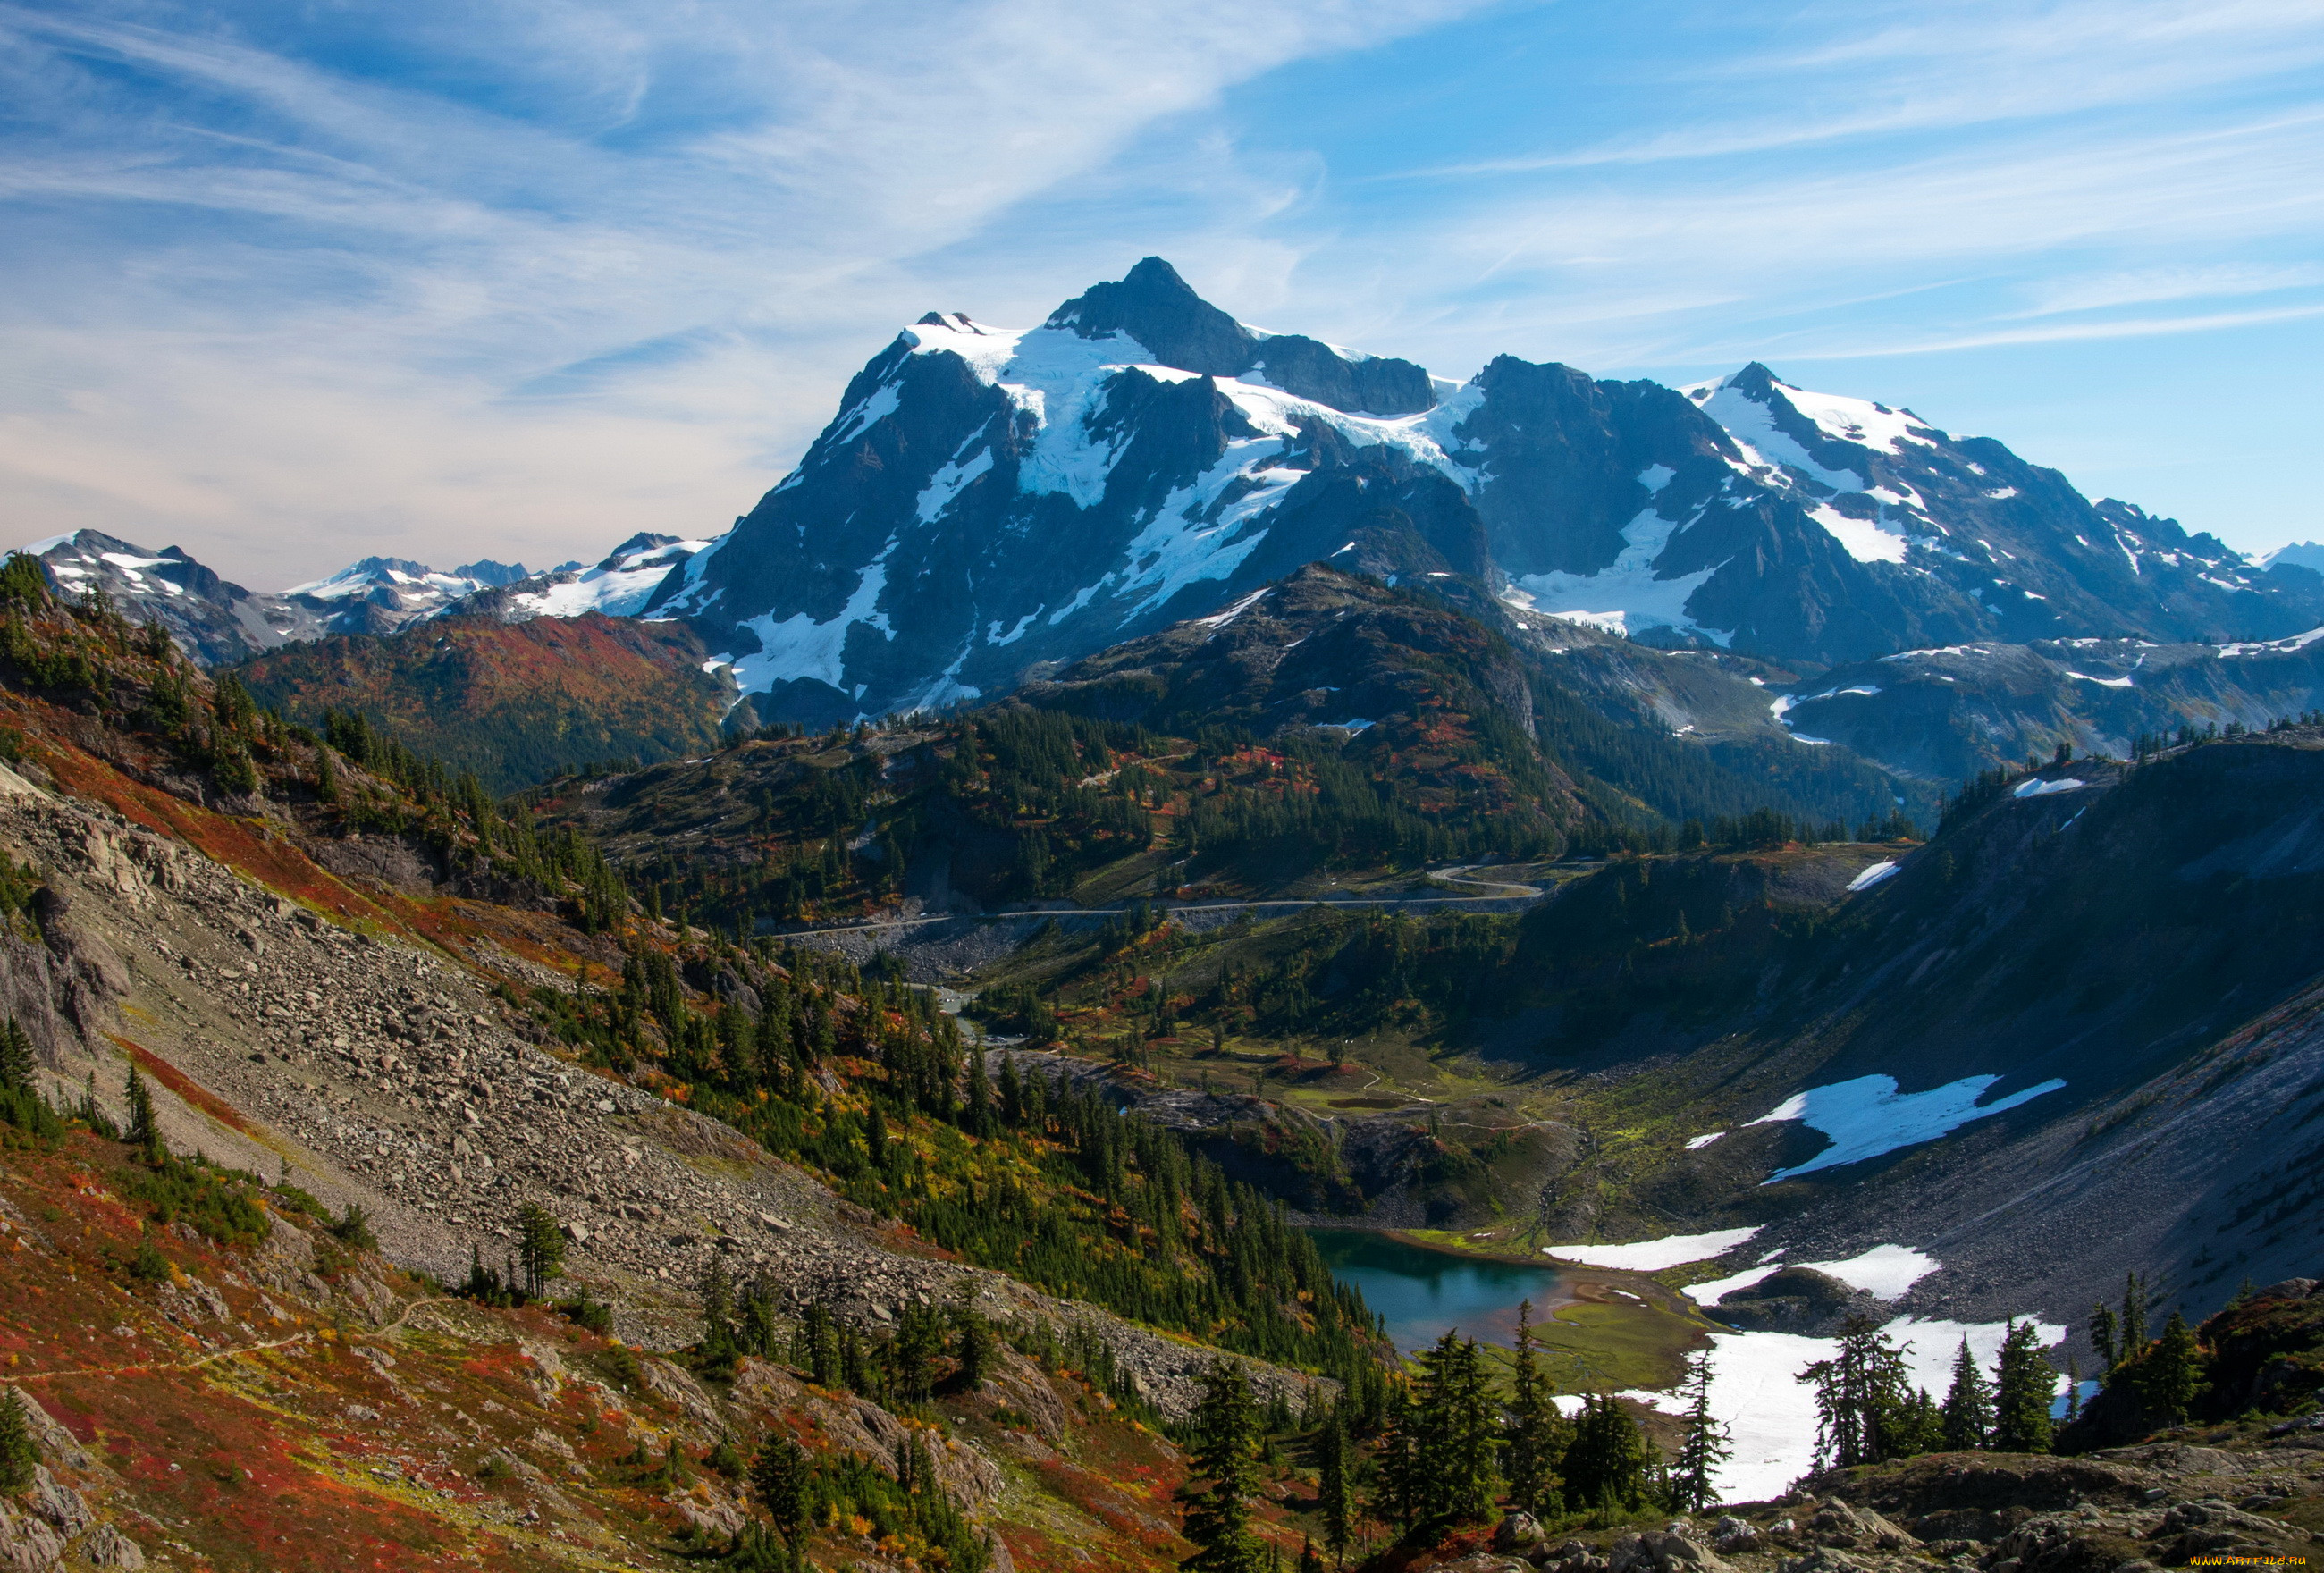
{"x": 1533, "y": 1434}
{"x": 1334, "y": 1500}
{"x": 1706, "y": 1445}
{"x": 1608, "y": 1464}
{"x": 1968, "y": 1406}
{"x": 779, "y": 1478}
{"x": 1864, "y": 1408}
{"x": 1223, "y": 1455}
{"x": 2023, "y": 1386}
{"x": 19, "y": 1454}
{"x": 2172, "y": 1374}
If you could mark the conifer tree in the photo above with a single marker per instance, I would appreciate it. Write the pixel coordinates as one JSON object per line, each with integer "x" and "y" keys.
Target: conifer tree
{"x": 144, "y": 1132}
{"x": 1223, "y": 1453}
{"x": 1334, "y": 1500}
{"x": 1309, "y": 1562}
{"x": 718, "y": 1334}
{"x": 2133, "y": 1316}
{"x": 1706, "y": 1445}
{"x": 1534, "y": 1436}
{"x": 2102, "y": 1338}
{"x": 1608, "y": 1464}
{"x": 2022, "y": 1388}
{"x": 1918, "y": 1427}
{"x": 18, "y": 1064}
{"x": 540, "y": 1246}
{"x": 1458, "y": 1431}
{"x": 779, "y": 1476}
{"x": 2172, "y": 1375}
{"x": 1399, "y": 1495}
{"x": 973, "y": 1345}
{"x": 979, "y": 1120}
{"x": 1968, "y": 1416}
{"x": 19, "y": 1454}
{"x": 1862, "y": 1396}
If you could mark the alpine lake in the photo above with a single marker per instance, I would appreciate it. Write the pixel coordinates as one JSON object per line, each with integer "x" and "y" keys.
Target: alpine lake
{"x": 1597, "y": 1329}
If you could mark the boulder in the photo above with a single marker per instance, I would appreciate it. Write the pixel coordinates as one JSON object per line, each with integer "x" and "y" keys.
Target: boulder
{"x": 107, "y": 1547}
{"x": 1517, "y": 1532}
{"x": 1796, "y": 1300}
{"x": 27, "y": 1545}
{"x": 1838, "y": 1523}
{"x": 59, "y": 1504}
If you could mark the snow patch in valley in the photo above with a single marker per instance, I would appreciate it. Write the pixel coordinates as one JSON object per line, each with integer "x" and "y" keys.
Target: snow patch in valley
{"x": 1885, "y": 1271}
{"x": 1653, "y": 1255}
{"x": 2101, "y": 682}
{"x": 1770, "y": 1413}
{"x": 1867, "y": 1118}
{"x": 1872, "y": 875}
{"x": 993, "y": 636}
{"x": 1695, "y": 1144}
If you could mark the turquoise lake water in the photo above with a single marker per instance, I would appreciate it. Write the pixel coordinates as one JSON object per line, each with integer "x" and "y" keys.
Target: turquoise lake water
{"x": 1421, "y": 1293}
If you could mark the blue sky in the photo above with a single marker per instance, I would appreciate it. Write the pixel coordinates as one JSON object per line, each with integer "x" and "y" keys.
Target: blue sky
{"x": 291, "y": 284}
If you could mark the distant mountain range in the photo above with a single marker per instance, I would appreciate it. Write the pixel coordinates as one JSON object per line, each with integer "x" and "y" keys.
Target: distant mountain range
{"x": 992, "y": 504}
{"x": 220, "y": 622}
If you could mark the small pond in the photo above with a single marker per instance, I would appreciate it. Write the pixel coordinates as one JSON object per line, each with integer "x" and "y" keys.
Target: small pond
{"x": 1420, "y": 1293}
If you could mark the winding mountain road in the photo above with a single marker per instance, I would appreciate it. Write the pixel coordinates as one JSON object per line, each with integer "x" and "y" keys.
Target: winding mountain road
{"x": 1506, "y": 891}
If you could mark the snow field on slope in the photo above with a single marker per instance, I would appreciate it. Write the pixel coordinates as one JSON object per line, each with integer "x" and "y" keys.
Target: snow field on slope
{"x": 1770, "y": 1413}
{"x": 1653, "y": 1255}
{"x": 2041, "y": 788}
{"x": 799, "y": 647}
{"x": 1628, "y": 595}
{"x": 1868, "y": 1116}
{"x": 1872, "y": 875}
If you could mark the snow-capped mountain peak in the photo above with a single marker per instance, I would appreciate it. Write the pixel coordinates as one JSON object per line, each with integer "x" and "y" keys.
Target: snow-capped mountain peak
{"x": 990, "y": 497}
{"x": 616, "y": 587}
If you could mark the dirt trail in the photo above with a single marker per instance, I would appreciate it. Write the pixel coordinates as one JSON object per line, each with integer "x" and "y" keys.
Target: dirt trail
{"x": 152, "y": 1369}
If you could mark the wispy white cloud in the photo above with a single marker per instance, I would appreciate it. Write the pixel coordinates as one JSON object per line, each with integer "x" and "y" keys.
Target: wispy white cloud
{"x": 236, "y": 243}
{"x": 564, "y": 269}
{"x": 1898, "y": 70}
{"x": 2146, "y": 286}
{"x": 2063, "y": 333}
